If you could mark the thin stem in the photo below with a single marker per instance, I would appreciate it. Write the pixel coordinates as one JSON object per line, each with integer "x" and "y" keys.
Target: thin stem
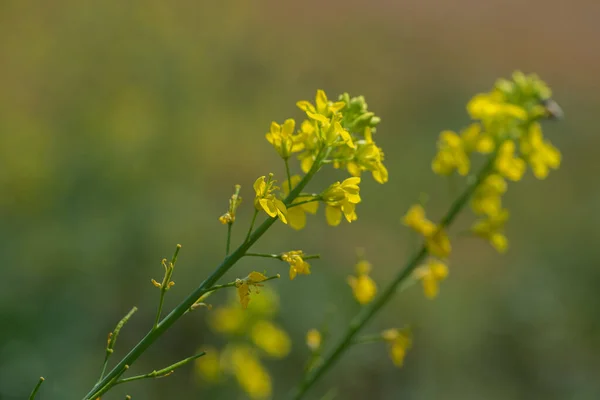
{"x": 278, "y": 256}
{"x": 36, "y": 388}
{"x": 233, "y": 284}
{"x": 299, "y": 203}
{"x": 161, "y": 372}
{"x": 112, "y": 339}
{"x": 287, "y": 171}
{"x": 251, "y": 225}
{"x": 229, "y": 225}
{"x": 375, "y": 338}
{"x": 212, "y": 279}
{"x": 371, "y": 309}
{"x": 166, "y": 284}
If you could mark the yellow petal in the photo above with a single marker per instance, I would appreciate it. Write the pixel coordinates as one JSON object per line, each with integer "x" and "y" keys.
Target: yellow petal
{"x": 296, "y": 217}
{"x": 333, "y": 215}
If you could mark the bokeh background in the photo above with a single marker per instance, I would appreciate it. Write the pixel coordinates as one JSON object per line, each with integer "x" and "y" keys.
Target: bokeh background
{"x": 125, "y": 125}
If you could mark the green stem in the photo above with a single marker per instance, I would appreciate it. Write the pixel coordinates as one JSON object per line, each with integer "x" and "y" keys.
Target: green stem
{"x": 233, "y": 284}
{"x": 371, "y": 309}
{"x": 36, "y": 388}
{"x": 165, "y": 284}
{"x": 229, "y": 225}
{"x": 251, "y": 225}
{"x": 287, "y": 171}
{"x": 161, "y": 372}
{"x": 112, "y": 340}
{"x": 278, "y": 256}
{"x": 209, "y": 282}
{"x": 299, "y": 203}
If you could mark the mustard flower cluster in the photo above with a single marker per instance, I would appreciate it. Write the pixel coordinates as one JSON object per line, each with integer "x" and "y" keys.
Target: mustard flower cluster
{"x": 251, "y": 335}
{"x": 336, "y": 133}
{"x": 506, "y": 130}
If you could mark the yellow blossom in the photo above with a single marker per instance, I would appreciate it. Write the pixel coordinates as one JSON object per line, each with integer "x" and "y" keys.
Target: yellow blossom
{"x": 208, "y": 366}
{"x": 492, "y": 229}
{"x": 270, "y": 338}
{"x": 265, "y": 199}
{"x": 323, "y": 108}
{"x": 243, "y": 286}
{"x": 363, "y": 287}
{"x": 297, "y": 264}
{"x": 284, "y": 140}
{"x": 488, "y": 106}
{"x": 507, "y": 164}
{"x": 473, "y": 139}
{"x": 487, "y": 199}
{"x": 437, "y": 240}
{"x": 313, "y": 339}
{"x": 368, "y": 157}
{"x": 229, "y": 319}
{"x": 296, "y": 215}
{"x": 310, "y": 139}
{"x": 540, "y": 154}
{"x": 400, "y": 341}
{"x": 249, "y": 371}
{"x": 451, "y": 155}
{"x": 341, "y": 199}
{"x": 430, "y": 274}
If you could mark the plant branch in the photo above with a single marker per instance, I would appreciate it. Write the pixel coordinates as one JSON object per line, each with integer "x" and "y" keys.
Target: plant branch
{"x": 36, "y": 388}
{"x": 371, "y": 309}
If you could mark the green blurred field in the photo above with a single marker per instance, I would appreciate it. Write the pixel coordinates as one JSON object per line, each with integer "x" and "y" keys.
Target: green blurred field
{"x": 125, "y": 125}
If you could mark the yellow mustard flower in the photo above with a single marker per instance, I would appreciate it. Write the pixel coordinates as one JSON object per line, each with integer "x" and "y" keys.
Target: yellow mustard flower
{"x": 323, "y": 108}
{"x": 492, "y": 229}
{"x": 313, "y": 339}
{"x": 228, "y": 319}
{"x": 297, "y": 264}
{"x": 436, "y": 238}
{"x": 208, "y": 367}
{"x": 284, "y": 140}
{"x": 234, "y": 203}
{"x": 451, "y": 155}
{"x": 540, "y": 154}
{"x": 363, "y": 287}
{"x": 368, "y": 157}
{"x": 507, "y": 164}
{"x": 475, "y": 140}
{"x": 341, "y": 199}
{"x": 430, "y": 274}
{"x": 487, "y": 199}
{"x": 265, "y": 199}
{"x": 399, "y": 341}
{"x": 270, "y": 338}
{"x": 311, "y": 141}
{"x": 296, "y": 215}
{"x": 493, "y": 105}
{"x": 249, "y": 371}
{"x": 243, "y": 286}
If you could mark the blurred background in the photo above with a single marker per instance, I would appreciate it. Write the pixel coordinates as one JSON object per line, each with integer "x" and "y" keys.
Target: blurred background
{"x": 125, "y": 125}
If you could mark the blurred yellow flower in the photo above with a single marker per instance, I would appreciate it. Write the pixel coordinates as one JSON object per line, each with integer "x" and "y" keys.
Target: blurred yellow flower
{"x": 363, "y": 287}
{"x": 493, "y": 105}
{"x": 437, "y": 240}
{"x": 243, "y": 286}
{"x": 208, "y": 367}
{"x": 487, "y": 198}
{"x": 431, "y": 274}
{"x": 270, "y": 338}
{"x": 265, "y": 199}
{"x": 313, "y": 339}
{"x": 399, "y": 341}
{"x": 451, "y": 155}
{"x": 507, "y": 164}
{"x": 297, "y": 264}
{"x": 492, "y": 229}
{"x": 249, "y": 371}
{"x": 228, "y": 319}
{"x": 540, "y": 154}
